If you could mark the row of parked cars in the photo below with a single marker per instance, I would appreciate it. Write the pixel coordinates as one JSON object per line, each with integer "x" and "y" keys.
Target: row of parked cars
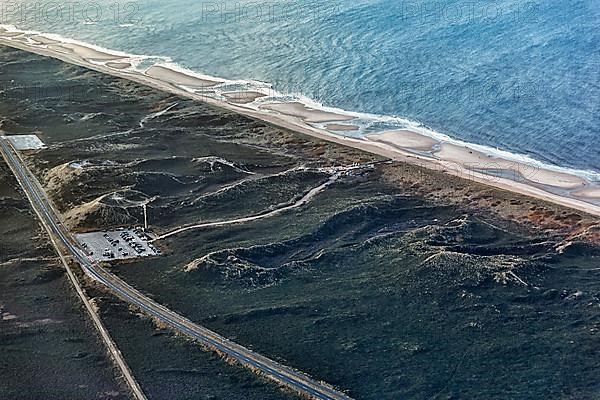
{"x": 140, "y": 233}
{"x": 133, "y": 237}
{"x": 131, "y": 241}
{"x": 85, "y": 246}
{"x": 114, "y": 243}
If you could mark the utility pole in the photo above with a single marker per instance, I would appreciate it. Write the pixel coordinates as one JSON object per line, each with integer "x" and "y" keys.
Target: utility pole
{"x": 145, "y": 217}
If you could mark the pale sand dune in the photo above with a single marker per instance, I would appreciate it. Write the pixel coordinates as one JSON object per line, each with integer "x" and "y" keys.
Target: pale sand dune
{"x": 473, "y": 159}
{"x": 341, "y": 127}
{"x": 553, "y": 178}
{"x": 178, "y": 78}
{"x": 121, "y": 65}
{"x": 42, "y": 39}
{"x": 5, "y": 33}
{"x": 404, "y": 139}
{"x": 306, "y": 113}
{"x": 88, "y": 53}
{"x": 22, "y": 39}
{"x": 84, "y": 52}
{"x": 60, "y": 49}
{"x": 242, "y": 97}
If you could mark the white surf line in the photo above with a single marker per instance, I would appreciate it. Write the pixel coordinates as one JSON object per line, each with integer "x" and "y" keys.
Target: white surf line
{"x": 305, "y": 199}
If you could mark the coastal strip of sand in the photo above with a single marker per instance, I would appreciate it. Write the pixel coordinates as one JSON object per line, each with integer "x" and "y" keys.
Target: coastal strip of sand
{"x": 478, "y": 161}
{"x": 172, "y": 76}
{"x": 401, "y": 145}
{"x": 341, "y": 127}
{"x": 592, "y": 193}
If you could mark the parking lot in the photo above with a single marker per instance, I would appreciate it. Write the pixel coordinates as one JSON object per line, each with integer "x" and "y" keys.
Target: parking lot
{"x": 121, "y": 244}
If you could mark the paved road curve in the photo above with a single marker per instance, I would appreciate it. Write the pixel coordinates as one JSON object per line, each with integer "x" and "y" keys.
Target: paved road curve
{"x": 289, "y": 377}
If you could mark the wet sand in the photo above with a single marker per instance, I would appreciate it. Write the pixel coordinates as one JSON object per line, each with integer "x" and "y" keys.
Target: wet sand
{"x": 60, "y": 49}
{"x": 341, "y": 127}
{"x": 588, "y": 193}
{"x": 122, "y": 65}
{"x": 88, "y": 53}
{"x": 6, "y": 33}
{"x": 473, "y": 159}
{"x": 404, "y": 139}
{"x": 178, "y": 78}
{"x": 43, "y": 39}
{"x": 242, "y": 97}
{"x": 306, "y": 113}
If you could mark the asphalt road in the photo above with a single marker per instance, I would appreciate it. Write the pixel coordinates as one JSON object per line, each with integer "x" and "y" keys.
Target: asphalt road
{"x": 287, "y": 376}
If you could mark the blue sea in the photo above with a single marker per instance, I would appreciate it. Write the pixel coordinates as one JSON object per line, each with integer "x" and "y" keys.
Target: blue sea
{"x": 520, "y": 76}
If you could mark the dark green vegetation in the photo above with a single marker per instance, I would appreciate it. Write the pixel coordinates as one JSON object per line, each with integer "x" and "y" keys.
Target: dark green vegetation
{"x": 48, "y": 347}
{"x": 370, "y": 287}
{"x": 171, "y": 367}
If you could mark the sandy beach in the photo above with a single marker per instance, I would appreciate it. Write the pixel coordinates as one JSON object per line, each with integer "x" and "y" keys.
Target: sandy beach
{"x": 396, "y": 145}
{"x": 475, "y": 160}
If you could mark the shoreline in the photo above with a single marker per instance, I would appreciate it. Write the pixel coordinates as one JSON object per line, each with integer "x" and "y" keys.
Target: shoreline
{"x": 401, "y": 145}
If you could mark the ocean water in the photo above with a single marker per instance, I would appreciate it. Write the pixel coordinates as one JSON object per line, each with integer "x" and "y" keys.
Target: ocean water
{"x": 521, "y": 76}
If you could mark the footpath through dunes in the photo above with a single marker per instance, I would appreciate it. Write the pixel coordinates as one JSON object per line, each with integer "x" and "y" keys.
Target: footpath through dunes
{"x": 309, "y": 120}
{"x": 335, "y": 172}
